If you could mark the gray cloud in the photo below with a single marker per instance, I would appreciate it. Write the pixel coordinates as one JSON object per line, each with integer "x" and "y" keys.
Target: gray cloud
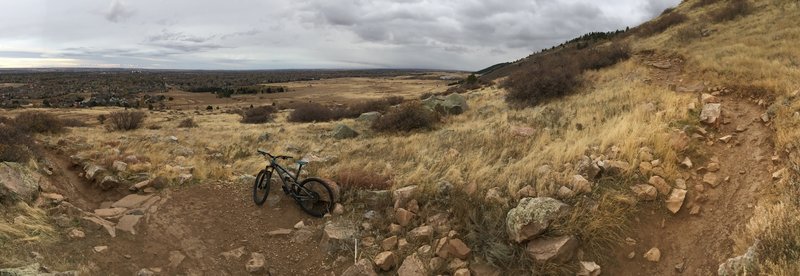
{"x": 118, "y": 11}
{"x": 246, "y": 34}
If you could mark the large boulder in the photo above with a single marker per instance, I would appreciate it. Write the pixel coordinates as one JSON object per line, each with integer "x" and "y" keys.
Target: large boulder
{"x": 17, "y": 182}
{"x": 369, "y": 117}
{"x": 552, "y": 249}
{"x": 532, "y": 216}
{"x": 343, "y": 131}
{"x": 451, "y": 104}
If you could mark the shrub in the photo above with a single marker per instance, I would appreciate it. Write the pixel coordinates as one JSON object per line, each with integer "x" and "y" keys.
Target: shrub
{"x": 703, "y": 3}
{"x": 310, "y": 112}
{"x": 557, "y": 75}
{"x": 369, "y": 106}
{"x": 357, "y": 178}
{"x": 126, "y": 120}
{"x": 394, "y": 100}
{"x": 406, "y": 117}
{"x": 733, "y": 9}
{"x": 72, "y": 122}
{"x": 38, "y": 122}
{"x": 661, "y": 24}
{"x": 537, "y": 86}
{"x": 13, "y": 144}
{"x": 603, "y": 57}
{"x": 688, "y": 34}
{"x": 187, "y": 123}
{"x": 257, "y": 115}
{"x": 101, "y": 118}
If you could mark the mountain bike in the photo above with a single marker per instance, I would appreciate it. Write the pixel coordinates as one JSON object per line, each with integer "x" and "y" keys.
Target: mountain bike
{"x": 313, "y": 195}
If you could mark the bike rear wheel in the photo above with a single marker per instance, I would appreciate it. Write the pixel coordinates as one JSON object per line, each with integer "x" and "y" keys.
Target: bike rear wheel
{"x": 262, "y": 185}
{"x": 315, "y": 197}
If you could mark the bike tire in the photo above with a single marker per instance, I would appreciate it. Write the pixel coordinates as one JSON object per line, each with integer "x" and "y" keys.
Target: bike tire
{"x": 322, "y": 198}
{"x": 261, "y": 186}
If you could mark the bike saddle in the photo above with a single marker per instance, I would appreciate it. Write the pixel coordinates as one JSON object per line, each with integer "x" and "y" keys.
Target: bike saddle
{"x": 302, "y": 162}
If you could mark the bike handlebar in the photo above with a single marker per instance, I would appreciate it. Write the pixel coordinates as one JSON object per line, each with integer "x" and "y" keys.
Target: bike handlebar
{"x": 263, "y": 152}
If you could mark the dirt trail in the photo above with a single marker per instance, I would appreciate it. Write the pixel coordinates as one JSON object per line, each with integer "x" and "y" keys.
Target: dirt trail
{"x": 76, "y": 189}
{"x": 701, "y": 242}
{"x": 201, "y": 222}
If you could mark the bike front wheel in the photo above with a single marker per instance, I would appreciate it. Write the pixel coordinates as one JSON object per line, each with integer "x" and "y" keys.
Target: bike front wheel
{"x": 262, "y": 185}
{"x": 315, "y": 197}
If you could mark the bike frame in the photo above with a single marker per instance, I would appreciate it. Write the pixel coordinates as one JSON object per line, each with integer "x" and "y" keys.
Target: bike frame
{"x": 283, "y": 172}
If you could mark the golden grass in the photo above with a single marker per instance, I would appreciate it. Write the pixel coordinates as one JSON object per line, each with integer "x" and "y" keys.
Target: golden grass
{"x": 616, "y": 108}
{"x": 28, "y": 224}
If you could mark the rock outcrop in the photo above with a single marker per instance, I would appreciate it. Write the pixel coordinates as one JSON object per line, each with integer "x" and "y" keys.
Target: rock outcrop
{"x": 532, "y": 216}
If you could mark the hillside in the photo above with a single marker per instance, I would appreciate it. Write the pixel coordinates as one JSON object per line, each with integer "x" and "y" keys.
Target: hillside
{"x": 670, "y": 148}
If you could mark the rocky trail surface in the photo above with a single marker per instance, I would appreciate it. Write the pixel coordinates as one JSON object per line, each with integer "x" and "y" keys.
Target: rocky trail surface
{"x": 206, "y": 229}
{"x": 722, "y": 186}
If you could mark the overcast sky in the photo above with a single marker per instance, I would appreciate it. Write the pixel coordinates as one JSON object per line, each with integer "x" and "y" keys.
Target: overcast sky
{"x": 274, "y": 34}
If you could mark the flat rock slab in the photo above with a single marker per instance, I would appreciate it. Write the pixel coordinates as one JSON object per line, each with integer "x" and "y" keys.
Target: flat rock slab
{"x": 128, "y": 223}
{"x": 109, "y": 212}
{"x": 95, "y": 222}
{"x": 131, "y": 201}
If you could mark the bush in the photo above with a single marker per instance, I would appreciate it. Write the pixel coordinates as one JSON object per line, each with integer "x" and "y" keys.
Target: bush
{"x": 357, "y": 178}
{"x": 536, "y": 87}
{"x": 13, "y": 144}
{"x": 310, "y": 112}
{"x": 688, "y": 34}
{"x": 72, "y": 122}
{"x": 661, "y": 24}
{"x": 126, "y": 120}
{"x": 38, "y": 122}
{"x": 733, "y": 9}
{"x": 187, "y": 123}
{"x": 603, "y": 57}
{"x": 406, "y": 117}
{"x": 101, "y": 118}
{"x": 703, "y": 3}
{"x": 557, "y": 75}
{"x": 258, "y": 115}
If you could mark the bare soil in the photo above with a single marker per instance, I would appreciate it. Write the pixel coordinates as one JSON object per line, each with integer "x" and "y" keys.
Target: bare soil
{"x": 199, "y": 222}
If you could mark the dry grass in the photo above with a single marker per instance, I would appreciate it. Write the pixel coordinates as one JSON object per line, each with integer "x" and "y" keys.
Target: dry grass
{"x": 616, "y": 109}
{"x": 28, "y": 224}
{"x": 356, "y": 178}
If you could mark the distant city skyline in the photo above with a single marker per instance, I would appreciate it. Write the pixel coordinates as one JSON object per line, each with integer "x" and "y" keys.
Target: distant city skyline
{"x": 284, "y": 34}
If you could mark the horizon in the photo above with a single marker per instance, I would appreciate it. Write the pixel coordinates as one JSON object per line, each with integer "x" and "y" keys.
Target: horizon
{"x": 308, "y": 35}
